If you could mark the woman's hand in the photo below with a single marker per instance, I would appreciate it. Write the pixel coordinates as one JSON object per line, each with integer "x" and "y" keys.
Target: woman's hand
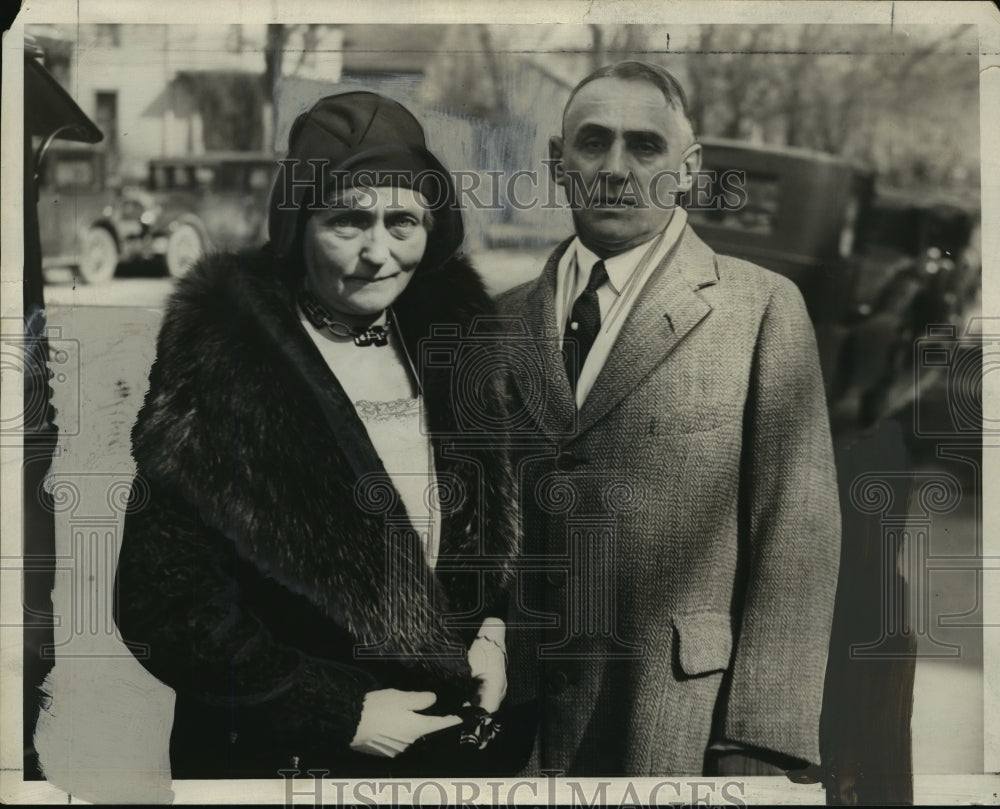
{"x": 389, "y": 723}
{"x": 488, "y": 660}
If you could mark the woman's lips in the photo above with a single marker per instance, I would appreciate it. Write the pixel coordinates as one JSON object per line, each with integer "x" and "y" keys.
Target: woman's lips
{"x": 360, "y": 279}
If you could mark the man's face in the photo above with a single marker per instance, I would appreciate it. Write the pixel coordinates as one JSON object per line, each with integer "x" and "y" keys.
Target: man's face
{"x": 624, "y": 154}
{"x": 361, "y": 253}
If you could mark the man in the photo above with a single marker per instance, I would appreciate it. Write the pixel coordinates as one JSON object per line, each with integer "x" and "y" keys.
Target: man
{"x": 678, "y": 494}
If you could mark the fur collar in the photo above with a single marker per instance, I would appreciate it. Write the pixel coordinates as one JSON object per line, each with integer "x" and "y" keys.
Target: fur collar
{"x": 244, "y": 421}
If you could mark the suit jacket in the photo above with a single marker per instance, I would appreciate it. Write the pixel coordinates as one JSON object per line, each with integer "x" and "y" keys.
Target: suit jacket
{"x": 264, "y": 542}
{"x": 681, "y": 531}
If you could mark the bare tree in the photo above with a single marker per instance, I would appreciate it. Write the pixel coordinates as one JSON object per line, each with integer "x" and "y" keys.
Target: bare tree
{"x": 274, "y": 54}
{"x": 598, "y": 51}
{"x": 468, "y": 74}
{"x": 847, "y": 91}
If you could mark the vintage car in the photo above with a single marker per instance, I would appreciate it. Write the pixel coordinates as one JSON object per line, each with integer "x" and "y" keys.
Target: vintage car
{"x": 929, "y": 239}
{"x": 215, "y": 201}
{"x": 72, "y": 193}
{"x": 874, "y": 269}
{"x": 189, "y": 205}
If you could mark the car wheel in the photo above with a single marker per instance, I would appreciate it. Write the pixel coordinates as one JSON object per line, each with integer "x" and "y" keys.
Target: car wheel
{"x": 100, "y": 257}
{"x": 184, "y": 248}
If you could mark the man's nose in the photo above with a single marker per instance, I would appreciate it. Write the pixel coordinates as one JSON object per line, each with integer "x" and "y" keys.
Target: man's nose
{"x": 615, "y": 161}
{"x": 375, "y": 250}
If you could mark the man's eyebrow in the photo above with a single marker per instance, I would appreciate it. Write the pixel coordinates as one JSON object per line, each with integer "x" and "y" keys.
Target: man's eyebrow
{"x": 592, "y": 129}
{"x": 646, "y": 134}
{"x": 589, "y": 129}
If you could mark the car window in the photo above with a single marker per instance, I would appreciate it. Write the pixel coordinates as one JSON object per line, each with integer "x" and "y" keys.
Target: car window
{"x": 73, "y": 173}
{"x": 204, "y": 176}
{"x": 758, "y": 215}
{"x": 182, "y": 177}
{"x": 895, "y": 228}
{"x": 157, "y": 177}
{"x": 947, "y": 229}
{"x": 226, "y": 176}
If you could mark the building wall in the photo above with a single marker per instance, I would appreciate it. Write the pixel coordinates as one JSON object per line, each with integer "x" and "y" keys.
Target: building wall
{"x": 139, "y": 63}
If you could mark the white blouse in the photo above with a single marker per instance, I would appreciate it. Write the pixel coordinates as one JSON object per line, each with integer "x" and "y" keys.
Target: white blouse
{"x": 381, "y": 388}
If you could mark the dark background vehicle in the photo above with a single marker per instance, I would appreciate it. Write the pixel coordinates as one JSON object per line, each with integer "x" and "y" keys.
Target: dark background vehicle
{"x": 874, "y": 269}
{"x": 880, "y": 273}
{"x": 930, "y": 235}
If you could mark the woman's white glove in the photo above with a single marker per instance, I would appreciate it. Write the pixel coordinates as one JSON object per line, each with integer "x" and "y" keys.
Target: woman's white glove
{"x": 389, "y": 723}
{"x": 488, "y": 660}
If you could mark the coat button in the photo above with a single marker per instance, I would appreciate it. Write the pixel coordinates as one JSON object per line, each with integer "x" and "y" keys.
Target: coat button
{"x": 567, "y": 461}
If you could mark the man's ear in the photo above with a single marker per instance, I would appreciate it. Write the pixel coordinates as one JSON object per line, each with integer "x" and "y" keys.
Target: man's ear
{"x": 690, "y": 165}
{"x": 556, "y": 168}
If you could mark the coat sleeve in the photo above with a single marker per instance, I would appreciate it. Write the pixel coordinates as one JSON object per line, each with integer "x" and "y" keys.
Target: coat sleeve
{"x": 790, "y": 542}
{"x": 196, "y": 617}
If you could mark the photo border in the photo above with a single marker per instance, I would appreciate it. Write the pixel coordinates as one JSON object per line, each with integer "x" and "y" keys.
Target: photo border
{"x": 985, "y": 15}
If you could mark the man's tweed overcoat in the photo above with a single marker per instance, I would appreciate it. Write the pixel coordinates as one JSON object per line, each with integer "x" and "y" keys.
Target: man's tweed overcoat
{"x": 682, "y": 530}
{"x": 264, "y": 542}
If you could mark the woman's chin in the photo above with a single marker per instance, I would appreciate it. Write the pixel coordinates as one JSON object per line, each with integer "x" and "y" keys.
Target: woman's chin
{"x": 369, "y": 305}
{"x": 371, "y": 297}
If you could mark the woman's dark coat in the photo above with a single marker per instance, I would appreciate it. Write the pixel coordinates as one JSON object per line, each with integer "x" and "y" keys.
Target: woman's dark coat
{"x": 265, "y": 543}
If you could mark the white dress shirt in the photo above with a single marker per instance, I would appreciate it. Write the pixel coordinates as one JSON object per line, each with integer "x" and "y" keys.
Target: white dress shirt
{"x": 627, "y": 274}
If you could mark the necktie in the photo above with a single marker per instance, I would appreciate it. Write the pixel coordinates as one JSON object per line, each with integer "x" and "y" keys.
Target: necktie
{"x": 584, "y": 323}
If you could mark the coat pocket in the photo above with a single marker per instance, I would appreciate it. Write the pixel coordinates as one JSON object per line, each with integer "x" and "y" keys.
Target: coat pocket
{"x": 704, "y": 642}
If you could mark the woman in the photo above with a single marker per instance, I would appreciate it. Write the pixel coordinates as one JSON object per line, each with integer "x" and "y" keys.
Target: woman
{"x": 318, "y": 542}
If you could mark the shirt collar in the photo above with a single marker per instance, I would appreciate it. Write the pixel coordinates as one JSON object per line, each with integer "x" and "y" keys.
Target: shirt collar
{"x": 621, "y": 267}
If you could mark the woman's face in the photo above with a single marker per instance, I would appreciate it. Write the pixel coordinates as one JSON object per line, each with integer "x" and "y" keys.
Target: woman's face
{"x": 361, "y": 252}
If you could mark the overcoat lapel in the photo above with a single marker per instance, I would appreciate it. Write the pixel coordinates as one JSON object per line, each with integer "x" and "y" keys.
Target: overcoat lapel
{"x": 667, "y": 309}
{"x": 289, "y": 336}
{"x": 552, "y": 402}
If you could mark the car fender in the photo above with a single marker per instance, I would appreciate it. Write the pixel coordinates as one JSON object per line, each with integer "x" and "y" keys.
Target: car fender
{"x": 195, "y": 222}
{"x": 105, "y": 224}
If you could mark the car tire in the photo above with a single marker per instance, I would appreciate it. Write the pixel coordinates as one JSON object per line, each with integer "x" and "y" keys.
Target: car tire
{"x": 99, "y": 258}
{"x": 185, "y": 246}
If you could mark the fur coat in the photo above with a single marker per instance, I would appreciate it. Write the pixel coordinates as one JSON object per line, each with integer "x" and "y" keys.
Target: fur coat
{"x": 268, "y": 572}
